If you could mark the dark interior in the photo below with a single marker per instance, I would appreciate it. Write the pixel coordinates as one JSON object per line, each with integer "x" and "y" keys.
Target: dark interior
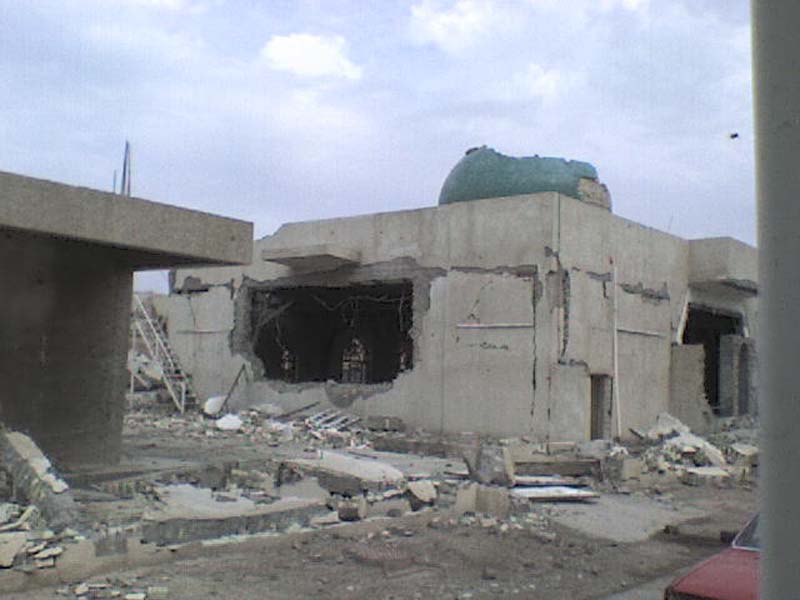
{"x": 353, "y": 334}
{"x": 705, "y": 326}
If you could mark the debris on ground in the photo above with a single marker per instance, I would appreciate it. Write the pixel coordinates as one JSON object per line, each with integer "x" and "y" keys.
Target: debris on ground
{"x": 694, "y": 459}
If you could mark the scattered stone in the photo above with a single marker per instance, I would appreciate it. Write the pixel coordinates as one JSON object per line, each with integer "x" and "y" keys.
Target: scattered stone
{"x": 11, "y": 544}
{"x": 352, "y": 509}
{"x": 49, "y": 553}
{"x": 744, "y": 455}
{"x": 229, "y": 422}
{"x": 45, "y": 563}
{"x": 476, "y": 498}
{"x": 81, "y": 589}
{"x": 385, "y": 424}
{"x": 705, "y": 475}
{"x": 490, "y": 464}
{"x": 156, "y": 592}
{"x": 423, "y": 490}
{"x": 332, "y": 518}
{"x": 35, "y": 480}
{"x": 213, "y": 405}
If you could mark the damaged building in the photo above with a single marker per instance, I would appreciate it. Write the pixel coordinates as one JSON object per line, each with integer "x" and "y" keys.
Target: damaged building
{"x": 520, "y": 305}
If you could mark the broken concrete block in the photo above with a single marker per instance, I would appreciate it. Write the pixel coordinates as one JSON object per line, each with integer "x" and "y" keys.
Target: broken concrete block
{"x": 49, "y": 553}
{"x": 376, "y": 423}
{"x": 423, "y": 491}
{"x": 81, "y": 589}
{"x": 666, "y": 425}
{"x": 190, "y": 514}
{"x": 213, "y": 405}
{"x": 744, "y": 455}
{"x": 157, "y": 592}
{"x": 352, "y": 509}
{"x": 466, "y": 498}
{"x": 44, "y": 563}
{"x": 35, "y": 481}
{"x": 229, "y": 422}
{"x": 342, "y": 473}
{"x": 630, "y": 468}
{"x": 11, "y": 544}
{"x": 477, "y": 498}
{"x": 705, "y": 475}
{"x": 390, "y": 507}
{"x": 489, "y": 464}
{"x": 332, "y": 518}
{"x": 688, "y": 443}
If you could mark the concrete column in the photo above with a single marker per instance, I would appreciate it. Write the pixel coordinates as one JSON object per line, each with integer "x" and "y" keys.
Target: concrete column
{"x": 64, "y": 320}
{"x": 776, "y": 52}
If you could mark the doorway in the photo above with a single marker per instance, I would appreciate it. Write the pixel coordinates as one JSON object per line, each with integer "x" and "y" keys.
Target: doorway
{"x": 600, "y": 428}
{"x": 706, "y": 326}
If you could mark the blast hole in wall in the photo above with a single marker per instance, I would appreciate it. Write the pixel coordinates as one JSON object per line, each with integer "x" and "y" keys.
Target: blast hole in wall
{"x": 706, "y": 326}
{"x": 352, "y": 334}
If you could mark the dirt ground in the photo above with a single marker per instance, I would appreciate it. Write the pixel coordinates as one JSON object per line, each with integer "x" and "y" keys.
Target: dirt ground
{"x": 428, "y": 554}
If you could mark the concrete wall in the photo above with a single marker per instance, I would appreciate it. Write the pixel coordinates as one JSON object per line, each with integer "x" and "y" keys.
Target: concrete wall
{"x": 738, "y": 367}
{"x": 515, "y": 301}
{"x": 687, "y": 390}
{"x": 64, "y": 311}
{"x": 67, "y": 257}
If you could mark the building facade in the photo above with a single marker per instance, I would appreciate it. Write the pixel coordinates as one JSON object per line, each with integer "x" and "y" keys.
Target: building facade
{"x": 540, "y": 314}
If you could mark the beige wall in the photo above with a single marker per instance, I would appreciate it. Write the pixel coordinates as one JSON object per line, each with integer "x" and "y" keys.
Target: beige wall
{"x": 542, "y": 263}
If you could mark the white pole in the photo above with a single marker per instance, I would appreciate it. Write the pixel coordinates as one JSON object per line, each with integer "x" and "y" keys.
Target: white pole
{"x": 776, "y": 56}
{"x": 615, "y": 347}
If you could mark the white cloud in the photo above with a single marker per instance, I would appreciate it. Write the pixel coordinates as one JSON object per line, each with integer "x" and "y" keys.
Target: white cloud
{"x": 452, "y": 29}
{"x": 539, "y": 82}
{"x": 309, "y": 55}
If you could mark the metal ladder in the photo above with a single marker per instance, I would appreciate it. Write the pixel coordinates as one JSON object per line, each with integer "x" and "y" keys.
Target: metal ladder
{"x": 176, "y": 380}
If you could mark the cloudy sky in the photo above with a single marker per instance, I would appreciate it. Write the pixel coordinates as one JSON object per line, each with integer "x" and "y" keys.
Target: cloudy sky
{"x": 276, "y": 111}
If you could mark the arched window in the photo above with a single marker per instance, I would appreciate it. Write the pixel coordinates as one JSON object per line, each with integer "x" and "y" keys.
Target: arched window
{"x": 287, "y": 365}
{"x": 354, "y": 362}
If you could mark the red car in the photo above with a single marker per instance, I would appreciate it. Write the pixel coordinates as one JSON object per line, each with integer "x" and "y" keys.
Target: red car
{"x": 730, "y": 575}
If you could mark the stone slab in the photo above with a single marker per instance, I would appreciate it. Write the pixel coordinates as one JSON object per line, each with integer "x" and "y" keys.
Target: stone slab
{"x": 172, "y": 528}
{"x": 317, "y": 257}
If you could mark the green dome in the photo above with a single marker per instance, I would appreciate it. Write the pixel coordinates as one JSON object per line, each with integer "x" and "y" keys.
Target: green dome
{"x": 485, "y": 173}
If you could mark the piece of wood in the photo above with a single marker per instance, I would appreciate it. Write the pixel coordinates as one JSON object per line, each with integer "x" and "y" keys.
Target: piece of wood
{"x": 295, "y": 411}
{"x": 555, "y": 493}
{"x": 542, "y": 481}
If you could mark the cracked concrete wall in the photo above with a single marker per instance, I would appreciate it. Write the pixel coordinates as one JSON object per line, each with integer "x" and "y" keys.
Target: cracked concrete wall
{"x": 651, "y": 270}
{"x": 200, "y": 327}
{"x": 543, "y": 264}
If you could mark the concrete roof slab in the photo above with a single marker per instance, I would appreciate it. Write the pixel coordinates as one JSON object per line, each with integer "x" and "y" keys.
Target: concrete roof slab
{"x": 318, "y": 257}
{"x": 152, "y": 235}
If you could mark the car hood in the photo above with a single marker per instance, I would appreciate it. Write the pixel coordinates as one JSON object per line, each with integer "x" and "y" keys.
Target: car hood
{"x": 729, "y": 575}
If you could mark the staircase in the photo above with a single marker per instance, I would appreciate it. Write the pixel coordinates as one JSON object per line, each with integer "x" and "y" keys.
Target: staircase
{"x": 176, "y": 381}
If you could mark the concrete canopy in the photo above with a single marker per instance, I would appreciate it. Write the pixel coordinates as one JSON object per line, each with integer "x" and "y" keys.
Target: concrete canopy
{"x": 67, "y": 257}
{"x": 152, "y": 235}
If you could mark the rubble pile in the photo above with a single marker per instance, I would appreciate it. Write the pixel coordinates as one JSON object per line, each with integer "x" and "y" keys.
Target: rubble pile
{"x": 114, "y": 587}
{"x": 25, "y": 542}
{"x": 674, "y": 448}
{"x": 323, "y": 430}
